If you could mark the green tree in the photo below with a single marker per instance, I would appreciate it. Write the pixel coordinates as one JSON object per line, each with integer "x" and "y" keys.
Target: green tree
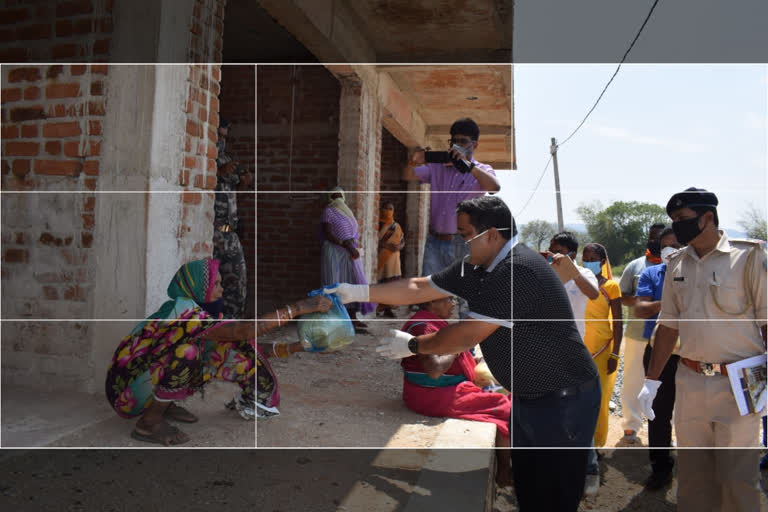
{"x": 537, "y": 232}
{"x": 754, "y": 223}
{"x": 622, "y": 227}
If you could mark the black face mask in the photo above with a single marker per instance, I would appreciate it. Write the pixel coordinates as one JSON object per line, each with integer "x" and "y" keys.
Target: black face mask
{"x": 686, "y": 230}
{"x": 214, "y": 308}
{"x": 654, "y": 246}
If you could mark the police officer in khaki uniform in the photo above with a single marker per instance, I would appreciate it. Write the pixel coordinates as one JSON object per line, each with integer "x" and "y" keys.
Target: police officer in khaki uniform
{"x": 714, "y": 297}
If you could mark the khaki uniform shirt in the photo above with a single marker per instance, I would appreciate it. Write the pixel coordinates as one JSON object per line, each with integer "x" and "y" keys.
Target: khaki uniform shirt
{"x": 709, "y": 333}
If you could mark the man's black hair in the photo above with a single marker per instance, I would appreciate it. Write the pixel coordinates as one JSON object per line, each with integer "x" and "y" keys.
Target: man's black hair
{"x": 566, "y": 239}
{"x": 666, "y": 232}
{"x": 465, "y": 126}
{"x": 488, "y": 212}
{"x": 658, "y": 225}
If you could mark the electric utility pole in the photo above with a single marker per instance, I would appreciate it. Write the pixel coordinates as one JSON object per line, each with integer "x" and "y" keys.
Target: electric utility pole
{"x": 553, "y": 151}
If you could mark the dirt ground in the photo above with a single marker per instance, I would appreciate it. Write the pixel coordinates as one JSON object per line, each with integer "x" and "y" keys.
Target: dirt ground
{"x": 348, "y": 398}
{"x": 276, "y": 480}
{"x": 333, "y": 399}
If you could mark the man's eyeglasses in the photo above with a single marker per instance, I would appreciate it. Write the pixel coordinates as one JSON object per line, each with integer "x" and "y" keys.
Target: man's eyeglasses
{"x": 461, "y": 141}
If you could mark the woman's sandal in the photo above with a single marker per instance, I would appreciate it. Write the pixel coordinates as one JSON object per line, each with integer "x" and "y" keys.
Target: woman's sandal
{"x": 159, "y": 433}
{"x": 177, "y": 413}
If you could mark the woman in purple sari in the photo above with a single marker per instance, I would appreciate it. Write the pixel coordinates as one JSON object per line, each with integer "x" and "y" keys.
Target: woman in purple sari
{"x": 340, "y": 260}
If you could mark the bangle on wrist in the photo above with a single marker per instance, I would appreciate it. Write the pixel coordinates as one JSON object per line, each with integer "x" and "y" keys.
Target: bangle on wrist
{"x": 278, "y": 316}
{"x": 290, "y": 313}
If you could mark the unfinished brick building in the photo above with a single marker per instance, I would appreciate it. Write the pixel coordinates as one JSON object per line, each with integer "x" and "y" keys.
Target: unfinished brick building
{"x": 84, "y": 138}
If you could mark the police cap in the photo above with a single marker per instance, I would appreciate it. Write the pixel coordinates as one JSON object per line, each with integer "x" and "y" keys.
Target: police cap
{"x": 690, "y": 198}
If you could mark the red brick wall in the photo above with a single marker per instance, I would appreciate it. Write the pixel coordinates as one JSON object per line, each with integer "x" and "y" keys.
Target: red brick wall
{"x": 52, "y": 120}
{"x": 64, "y": 31}
{"x": 393, "y": 158}
{"x": 51, "y": 125}
{"x": 288, "y": 224}
{"x": 238, "y": 98}
{"x": 206, "y": 30}
{"x": 198, "y": 170}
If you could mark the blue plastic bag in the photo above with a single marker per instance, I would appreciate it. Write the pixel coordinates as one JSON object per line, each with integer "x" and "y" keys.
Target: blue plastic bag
{"x": 329, "y": 331}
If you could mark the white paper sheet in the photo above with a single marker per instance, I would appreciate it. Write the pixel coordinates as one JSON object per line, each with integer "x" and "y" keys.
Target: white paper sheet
{"x": 735, "y": 375}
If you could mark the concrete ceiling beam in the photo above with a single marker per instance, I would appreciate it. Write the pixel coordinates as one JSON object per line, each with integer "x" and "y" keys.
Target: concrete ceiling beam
{"x": 400, "y": 113}
{"x": 327, "y": 28}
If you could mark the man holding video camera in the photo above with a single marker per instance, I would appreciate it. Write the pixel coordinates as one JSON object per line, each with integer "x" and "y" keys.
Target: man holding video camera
{"x": 454, "y": 176}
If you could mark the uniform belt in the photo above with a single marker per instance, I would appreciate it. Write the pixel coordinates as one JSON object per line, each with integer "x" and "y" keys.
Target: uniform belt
{"x": 224, "y": 228}
{"x": 442, "y": 236}
{"x": 708, "y": 369}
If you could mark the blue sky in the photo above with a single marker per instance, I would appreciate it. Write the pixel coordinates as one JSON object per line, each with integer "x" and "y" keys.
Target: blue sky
{"x": 659, "y": 129}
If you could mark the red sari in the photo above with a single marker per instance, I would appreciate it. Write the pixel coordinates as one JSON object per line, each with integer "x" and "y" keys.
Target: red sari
{"x": 463, "y": 400}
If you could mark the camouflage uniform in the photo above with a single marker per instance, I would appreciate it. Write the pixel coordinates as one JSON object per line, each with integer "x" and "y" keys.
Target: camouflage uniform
{"x": 226, "y": 245}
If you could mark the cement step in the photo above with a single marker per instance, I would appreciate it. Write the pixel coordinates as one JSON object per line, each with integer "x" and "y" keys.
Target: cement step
{"x": 460, "y": 477}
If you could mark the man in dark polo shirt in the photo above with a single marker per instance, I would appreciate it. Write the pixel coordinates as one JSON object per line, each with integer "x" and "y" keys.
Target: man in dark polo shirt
{"x": 554, "y": 383}
{"x": 556, "y": 389}
{"x": 483, "y": 278}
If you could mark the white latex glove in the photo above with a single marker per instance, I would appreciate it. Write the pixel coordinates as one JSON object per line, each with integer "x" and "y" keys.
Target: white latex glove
{"x": 646, "y": 396}
{"x": 350, "y": 292}
{"x": 395, "y": 346}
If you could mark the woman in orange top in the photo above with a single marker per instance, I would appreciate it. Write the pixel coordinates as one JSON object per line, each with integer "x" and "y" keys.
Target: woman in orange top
{"x": 391, "y": 242}
{"x": 603, "y": 331}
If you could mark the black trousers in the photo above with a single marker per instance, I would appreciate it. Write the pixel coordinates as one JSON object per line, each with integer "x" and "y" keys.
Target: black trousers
{"x": 553, "y": 480}
{"x": 660, "y": 429}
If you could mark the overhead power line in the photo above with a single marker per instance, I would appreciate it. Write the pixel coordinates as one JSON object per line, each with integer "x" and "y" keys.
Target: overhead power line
{"x": 626, "y": 53}
{"x": 543, "y": 172}
{"x": 645, "y": 22}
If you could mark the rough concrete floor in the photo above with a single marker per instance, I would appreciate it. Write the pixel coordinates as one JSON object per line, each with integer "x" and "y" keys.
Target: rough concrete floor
{"x": 34, "y": 419}
{"x": 275, "y": 480}
{"x": 348, "y": 398}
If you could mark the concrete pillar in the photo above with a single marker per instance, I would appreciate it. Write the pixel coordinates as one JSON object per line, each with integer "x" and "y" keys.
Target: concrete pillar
{"x": 137, "y": 235}
{"x": 417, "y": 207}
{"x": 360, "y": 159}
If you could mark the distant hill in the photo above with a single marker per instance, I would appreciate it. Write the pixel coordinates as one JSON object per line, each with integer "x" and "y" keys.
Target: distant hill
{"x": 576, "y": 228}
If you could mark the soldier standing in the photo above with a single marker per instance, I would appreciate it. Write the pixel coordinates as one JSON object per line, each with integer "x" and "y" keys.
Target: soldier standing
{"x": 714, "y": 297}
{"x": 226, "y": 242}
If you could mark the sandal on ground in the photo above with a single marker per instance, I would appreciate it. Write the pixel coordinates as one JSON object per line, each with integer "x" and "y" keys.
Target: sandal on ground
{"x": 159, "y": 433}
{"x": 178, "y": 413}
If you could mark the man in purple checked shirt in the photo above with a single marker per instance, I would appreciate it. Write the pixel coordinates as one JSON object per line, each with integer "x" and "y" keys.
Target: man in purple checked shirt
{"x": 451, "y": 183}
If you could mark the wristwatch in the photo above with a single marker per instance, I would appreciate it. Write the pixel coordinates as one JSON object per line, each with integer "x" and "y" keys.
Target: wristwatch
{"x": 413, "y": 345}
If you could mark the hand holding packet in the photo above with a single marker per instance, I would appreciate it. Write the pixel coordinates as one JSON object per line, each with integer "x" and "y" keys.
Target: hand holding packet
{"x": 326, "y": 332}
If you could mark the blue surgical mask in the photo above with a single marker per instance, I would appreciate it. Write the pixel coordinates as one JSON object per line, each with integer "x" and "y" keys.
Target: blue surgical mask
{"x": 594, "y": 266}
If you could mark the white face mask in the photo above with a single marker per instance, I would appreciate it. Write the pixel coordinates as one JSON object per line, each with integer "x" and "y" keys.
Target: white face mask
{"x": 667, "y": 252}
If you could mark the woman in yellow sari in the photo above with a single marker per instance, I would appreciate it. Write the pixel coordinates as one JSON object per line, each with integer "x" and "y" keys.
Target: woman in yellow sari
{"x": 391, "y": 242}
{"x": 603, "y": 331}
